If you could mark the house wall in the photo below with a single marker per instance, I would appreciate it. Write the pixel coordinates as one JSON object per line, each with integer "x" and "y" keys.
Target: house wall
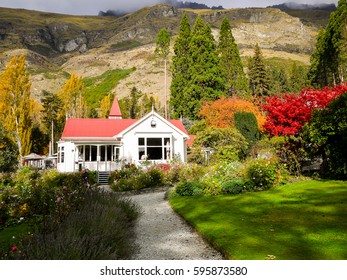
{"x": 146, "y": 130}
{"x": 129, "y": 147}
{"x": 66, "y": 157}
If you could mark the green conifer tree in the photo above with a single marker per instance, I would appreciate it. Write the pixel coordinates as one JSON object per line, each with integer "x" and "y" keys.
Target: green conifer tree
{"x": 235, "y": 78}
{"x": 297, "y": 79}
{"x": 180, "y": 65}
{"x": 205, "y": 79}
{"x": 329, "y": 59}
{"x": 258, "y": 75}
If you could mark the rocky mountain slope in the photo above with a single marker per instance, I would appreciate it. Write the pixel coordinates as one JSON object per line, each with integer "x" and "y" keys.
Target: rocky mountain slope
{"x": 57, "y": 44}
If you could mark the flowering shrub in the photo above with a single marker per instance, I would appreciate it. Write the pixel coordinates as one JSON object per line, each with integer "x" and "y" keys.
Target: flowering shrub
{"x": 134, "y": 178}
{"x": 36, "y": 194}
{"x": 32, "y": 197}
{"x": 263, "y": 173}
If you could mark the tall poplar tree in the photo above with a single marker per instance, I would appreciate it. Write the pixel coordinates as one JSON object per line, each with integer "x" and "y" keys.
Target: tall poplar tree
{"x": 16, "y": 105}
{"x": 235, "y": 78}
{"x": 163, "y": 50}
{"x": 258, "y": 76}
{"x": 179, "y": 69}
{"x": 105, "y": 107}
{"x": 74, "y": 103}
{"x": 52, "y": 116}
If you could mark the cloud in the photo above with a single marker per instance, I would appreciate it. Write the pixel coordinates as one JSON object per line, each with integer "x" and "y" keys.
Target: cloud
{"x": 78, "y": 7}
{"x": 92, "y": 7}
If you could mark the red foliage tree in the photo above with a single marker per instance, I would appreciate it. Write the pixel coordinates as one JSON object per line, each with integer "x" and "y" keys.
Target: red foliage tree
{"x": 287, "y": 114}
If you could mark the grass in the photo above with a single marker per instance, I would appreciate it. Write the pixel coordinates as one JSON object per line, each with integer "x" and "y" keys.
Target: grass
{"x": 97, "y": 87}
{"x": 9, "y": 236}
{"x": 125, "y": 45}
{"x": 305, "y": 220}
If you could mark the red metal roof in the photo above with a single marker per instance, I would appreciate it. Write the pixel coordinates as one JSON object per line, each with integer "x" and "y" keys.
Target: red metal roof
{"x": 179, "y": 125}
{"x": 94, "y": 128}
{"x": 115, "y": 110}
{"x": 102, "y": 128}
{"x": 190, "y": 141}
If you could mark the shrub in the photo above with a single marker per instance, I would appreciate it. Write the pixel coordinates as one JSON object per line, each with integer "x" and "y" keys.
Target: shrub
{"x": 236, "y": 186}
{"x": 156, "y": 176}
{"x": 263, "y": 173}
{"x": 26, "y": 176}
{"x": 121, "y": 185}
{"x": 247, "y": 124}
{"x": 123, "y": 180}
{"x": 6, "y": 180}
{"x": 188, "y": 188}
{"x": 211, "y": 185}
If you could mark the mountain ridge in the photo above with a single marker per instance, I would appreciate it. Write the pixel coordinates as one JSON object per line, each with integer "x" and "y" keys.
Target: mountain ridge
{"x": 57, "y": 45}
{"x": 54, "y": 35}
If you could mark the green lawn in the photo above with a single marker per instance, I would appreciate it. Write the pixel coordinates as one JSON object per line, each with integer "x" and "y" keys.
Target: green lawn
{"x": 306, "y": 220}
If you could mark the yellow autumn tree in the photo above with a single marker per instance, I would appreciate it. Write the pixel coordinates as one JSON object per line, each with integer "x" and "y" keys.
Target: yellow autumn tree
{"x": 105, "y": 107}
{"x": 16, "y": 104}
{"x": 74, "y": 103}
{"x": 220, "y": 113}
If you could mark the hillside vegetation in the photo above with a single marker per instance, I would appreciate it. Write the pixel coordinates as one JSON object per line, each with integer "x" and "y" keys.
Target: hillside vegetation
{"x": 57, "y": 45}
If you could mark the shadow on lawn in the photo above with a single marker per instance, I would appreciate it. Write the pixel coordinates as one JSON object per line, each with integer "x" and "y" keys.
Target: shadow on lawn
{"x": 289, "y": 223}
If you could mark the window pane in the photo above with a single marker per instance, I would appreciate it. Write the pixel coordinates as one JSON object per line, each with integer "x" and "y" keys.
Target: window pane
{"x": 116, "y": 153}
{"x": 94, "y": 152}
{"x": 141, "y": 141}
{"x": 102, "y": 153}
{"x": 154, "y": 142}
{"x": 87, "y": 153}
{"x": 109, "y": 153}
{"x": 154, "y": 153}
{"x": 142, "y": 155}
{"x": 80, "y": 153}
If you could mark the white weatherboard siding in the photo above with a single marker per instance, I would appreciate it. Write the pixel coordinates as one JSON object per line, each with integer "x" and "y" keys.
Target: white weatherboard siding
{"x": 151, "y": 138}
{"x": 173, "y": 140}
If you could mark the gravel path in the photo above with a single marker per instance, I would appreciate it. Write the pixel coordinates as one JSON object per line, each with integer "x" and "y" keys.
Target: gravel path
{"x": 163, "y": 235}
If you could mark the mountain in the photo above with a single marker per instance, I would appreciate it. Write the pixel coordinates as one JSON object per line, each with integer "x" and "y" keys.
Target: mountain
{"x": 53, "y": 35}
{"x": 300, "y": 6}
{"x": 316, "y": 14}
{"x": 174, "y": 3}
{"x": 58, "y": 44}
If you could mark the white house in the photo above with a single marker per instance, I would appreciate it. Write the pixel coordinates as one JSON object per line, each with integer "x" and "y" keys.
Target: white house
{"x": 106, "y": 144}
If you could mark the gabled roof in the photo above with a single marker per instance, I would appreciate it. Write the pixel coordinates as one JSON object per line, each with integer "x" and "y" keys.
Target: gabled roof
{"x": 104, "y": 128}
{"x": 174, "y": 124}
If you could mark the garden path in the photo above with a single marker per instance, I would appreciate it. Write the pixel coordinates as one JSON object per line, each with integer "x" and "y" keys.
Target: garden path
{"x": 163, "y": 235}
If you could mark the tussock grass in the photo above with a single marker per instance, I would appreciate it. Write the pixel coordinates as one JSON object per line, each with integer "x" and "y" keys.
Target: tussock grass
{"x": 304, "y": 220}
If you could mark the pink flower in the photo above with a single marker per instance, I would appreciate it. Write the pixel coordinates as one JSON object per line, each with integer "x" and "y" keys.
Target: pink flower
{"x": 14, "y": 248}
{"x": 58, "y": 200}
{"x": 65, "y": 188}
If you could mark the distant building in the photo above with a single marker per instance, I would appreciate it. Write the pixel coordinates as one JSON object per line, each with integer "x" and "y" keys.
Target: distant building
{"x": 35, "y": 160}
{"x": 107, "y": 144}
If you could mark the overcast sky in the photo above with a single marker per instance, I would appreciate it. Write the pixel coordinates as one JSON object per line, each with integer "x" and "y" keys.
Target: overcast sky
{"x": 92, "y": 7}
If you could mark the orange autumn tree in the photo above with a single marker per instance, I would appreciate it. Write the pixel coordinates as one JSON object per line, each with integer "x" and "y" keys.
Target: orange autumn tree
{"x": 220, "y": 113}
